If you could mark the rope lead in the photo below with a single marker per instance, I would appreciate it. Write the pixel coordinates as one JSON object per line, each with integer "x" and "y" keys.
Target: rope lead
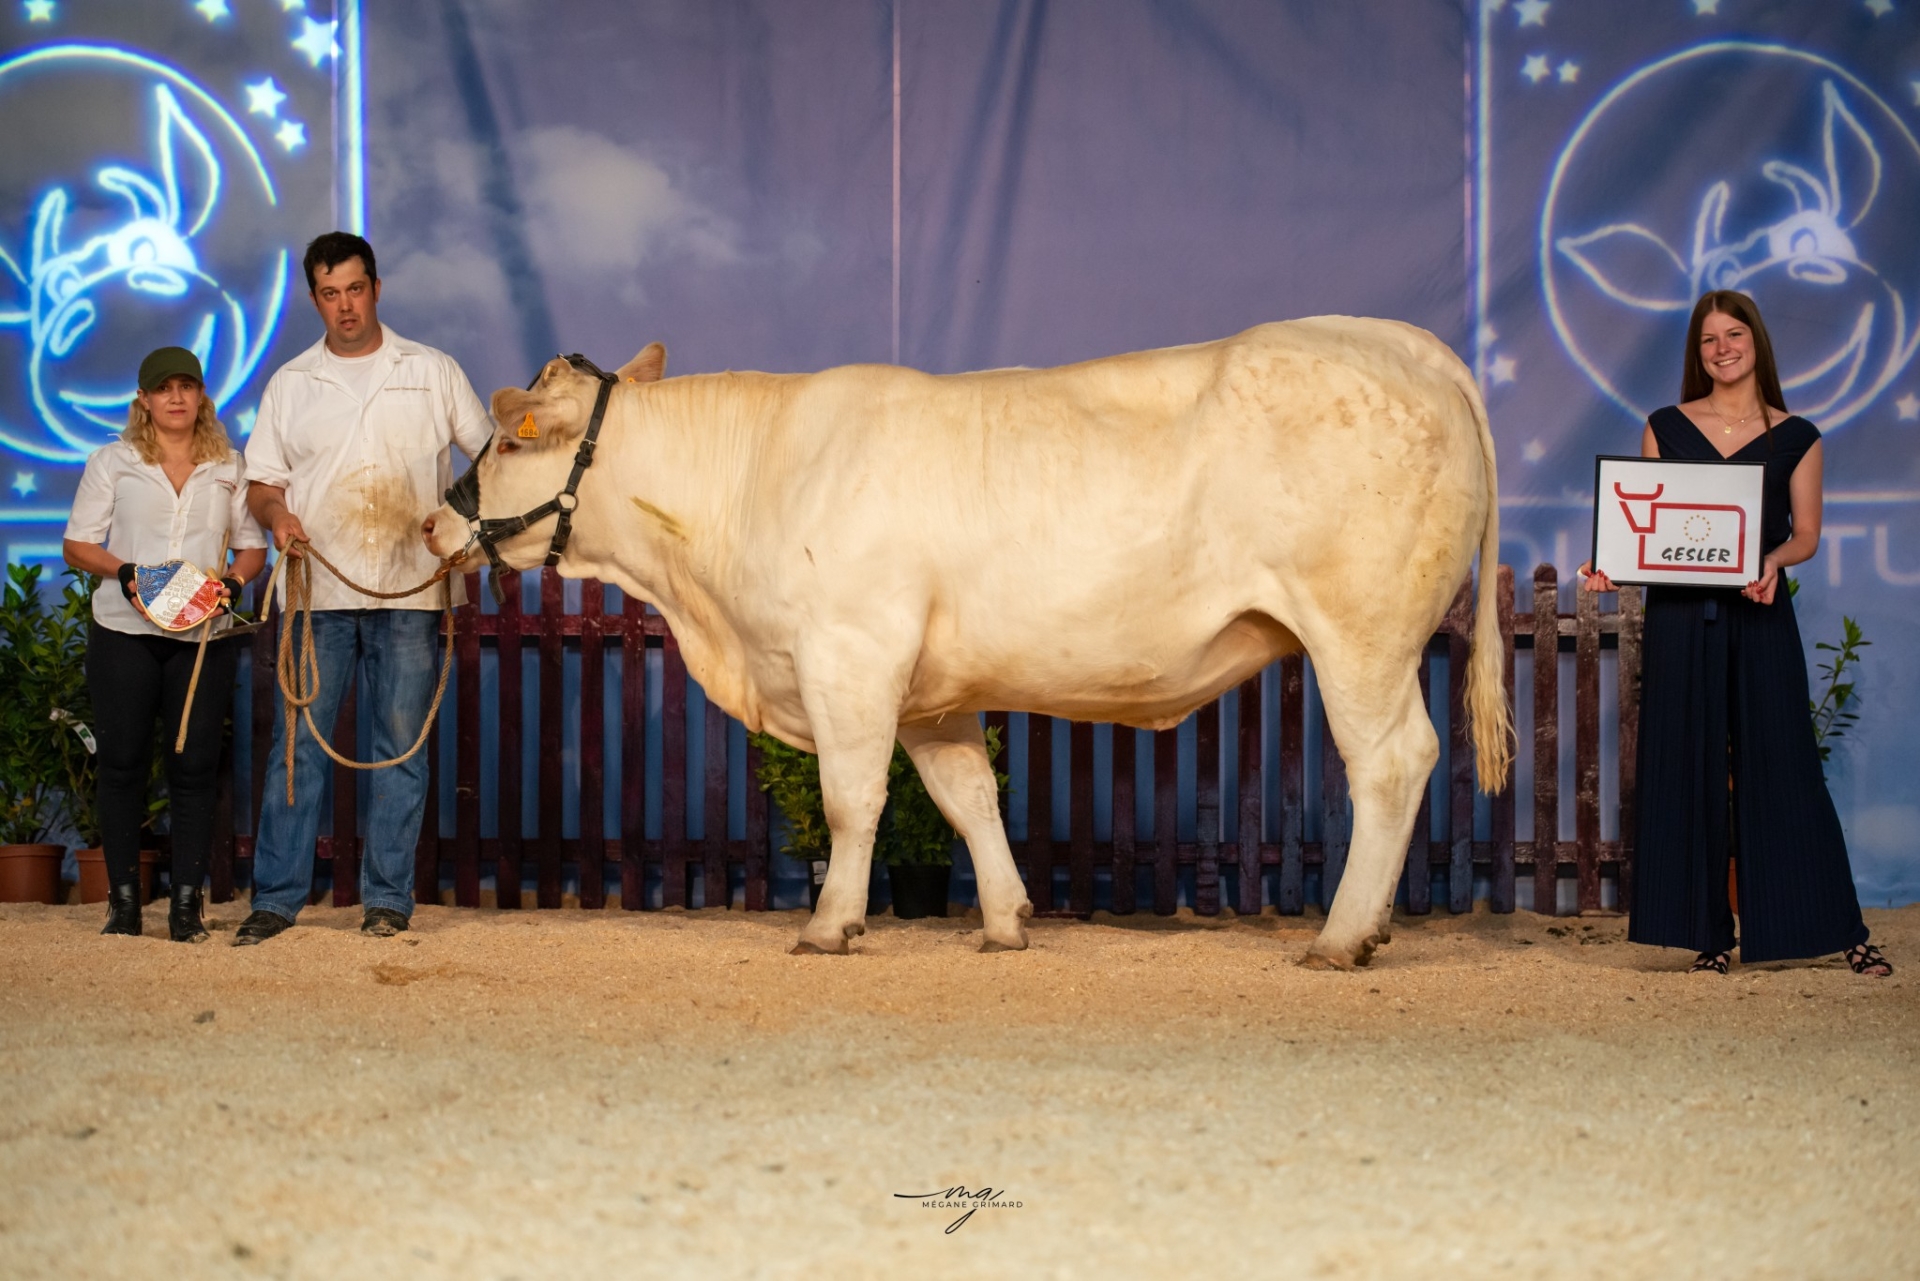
{"x": 297, "y": 665}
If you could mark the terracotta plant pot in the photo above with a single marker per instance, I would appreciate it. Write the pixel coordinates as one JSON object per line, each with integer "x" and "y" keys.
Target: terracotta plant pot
{"x": 919, "y": 889}
{"x": 30, "y": 873}
{"x": 93, "y": 874}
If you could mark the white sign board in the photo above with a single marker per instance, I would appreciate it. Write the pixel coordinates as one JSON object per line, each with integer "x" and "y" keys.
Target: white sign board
{"x": 1659, "y": 520}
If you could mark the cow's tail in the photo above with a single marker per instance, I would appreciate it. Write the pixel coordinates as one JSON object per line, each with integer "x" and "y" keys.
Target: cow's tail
{"x": 1490, "y": 717}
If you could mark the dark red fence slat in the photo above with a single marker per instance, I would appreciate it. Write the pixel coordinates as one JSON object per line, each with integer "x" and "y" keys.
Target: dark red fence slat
{"x": 713, "y": 845}
{"x": 1459, "y": 625}
{"x": 1546, "y": 740}
{"x": 552, "y": 740}
{"x": 508, "y": 873}
{"x": 1125, "y": 750}
{"x": 593, "y": 693}
{"x": 1586, "y": 747}
{"x": 1206, "y": 832}
{"x": 1080, "y": 818}
{"x": 633, "y": 765}
{"x": 1292, "y": 897}
{"x": 1247, "y": 825}
{"x": 673, "y": 783}
{"x": 1166, "y": 819}
{"x": 466, "y": 751}
{"x": 1040, "y": 811}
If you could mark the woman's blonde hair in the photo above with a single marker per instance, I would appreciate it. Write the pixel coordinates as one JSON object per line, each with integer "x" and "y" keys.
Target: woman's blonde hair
{"x": 210, "y": 443}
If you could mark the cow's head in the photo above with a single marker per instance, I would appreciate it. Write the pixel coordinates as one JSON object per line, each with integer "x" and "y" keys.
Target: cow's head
{"x": 527, "y": 463}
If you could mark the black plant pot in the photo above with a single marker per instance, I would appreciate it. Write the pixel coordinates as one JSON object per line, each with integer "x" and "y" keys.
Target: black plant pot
{"x": 919, "y": 889}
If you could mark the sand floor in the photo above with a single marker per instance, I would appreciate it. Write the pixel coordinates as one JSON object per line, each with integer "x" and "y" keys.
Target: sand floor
{"x": 546, "y": 1094}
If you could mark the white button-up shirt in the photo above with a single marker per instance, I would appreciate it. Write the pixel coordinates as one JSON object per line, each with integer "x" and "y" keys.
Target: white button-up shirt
{"x": 130, "y": 507}
{"x": 362, "y": 474}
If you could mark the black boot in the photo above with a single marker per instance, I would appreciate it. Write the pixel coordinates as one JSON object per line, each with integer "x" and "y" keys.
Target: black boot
{"x": 123, "y": 910}
{"x": 183, "y": 916}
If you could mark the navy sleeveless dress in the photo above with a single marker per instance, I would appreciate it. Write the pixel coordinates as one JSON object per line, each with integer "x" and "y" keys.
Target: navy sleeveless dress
{"x": 1723, "y": 691}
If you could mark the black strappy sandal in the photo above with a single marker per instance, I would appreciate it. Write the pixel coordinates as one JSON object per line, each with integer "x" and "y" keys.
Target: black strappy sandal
{"x": 1715, "y": 961}
{"x": 1865, "y": 958}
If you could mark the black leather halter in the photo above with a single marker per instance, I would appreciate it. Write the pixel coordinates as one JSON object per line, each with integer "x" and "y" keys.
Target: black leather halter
{"x": 464, "y": 494}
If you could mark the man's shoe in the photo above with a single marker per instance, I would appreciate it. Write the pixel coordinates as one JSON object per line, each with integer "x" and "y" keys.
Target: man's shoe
{"x": 383, "y": 922}
{"x": 123, "y": 910}
{"x": 260, "y": 926}
{"x": 183, "y": 916}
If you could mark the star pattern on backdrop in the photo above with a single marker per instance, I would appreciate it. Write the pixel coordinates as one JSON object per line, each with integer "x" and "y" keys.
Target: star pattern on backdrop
{"x": 1568, "y": 72}
{"x": 316, "y": 40}
{"x": 288, "y": 6}
{"x": 1706, "y": 8}
{"x": 1535, "y": 67}
{"x": 1880, "y": 8}
{"x": 1534, "y": 451}
{"x": 1909, "y": 407}
{"x": 23, "y": 484}
{"x": 1533, "y": 13}
{"x": 291, "y": 134}
{"x": 1501, "y": 370}
{"x": 39, "y": 10}
{"x": 213, "y": 10}
{"x": 264, "y": 99}
{"x": 1915, "y": 86}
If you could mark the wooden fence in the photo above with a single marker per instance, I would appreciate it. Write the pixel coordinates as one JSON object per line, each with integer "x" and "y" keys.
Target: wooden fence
{"x": 1218, "y": 863}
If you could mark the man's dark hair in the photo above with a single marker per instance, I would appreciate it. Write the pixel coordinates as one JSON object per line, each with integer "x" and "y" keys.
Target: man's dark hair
{"x": 334, "y": 248}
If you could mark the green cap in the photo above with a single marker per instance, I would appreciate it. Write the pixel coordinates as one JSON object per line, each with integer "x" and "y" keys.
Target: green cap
{"x": 163, "y": 363}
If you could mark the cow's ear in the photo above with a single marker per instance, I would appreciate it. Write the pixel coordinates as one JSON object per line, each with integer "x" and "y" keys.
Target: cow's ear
{"x": 647, "y": 367}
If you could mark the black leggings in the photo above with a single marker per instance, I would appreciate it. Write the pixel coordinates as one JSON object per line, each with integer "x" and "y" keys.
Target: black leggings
{"x": 134, "y": 680}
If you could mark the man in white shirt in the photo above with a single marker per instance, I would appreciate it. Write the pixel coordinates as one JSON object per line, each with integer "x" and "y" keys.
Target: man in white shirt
{"x": 350, "y": 451}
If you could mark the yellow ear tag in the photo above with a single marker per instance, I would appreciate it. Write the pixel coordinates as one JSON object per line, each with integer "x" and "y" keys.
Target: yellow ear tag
{"x": 528, "y": 429}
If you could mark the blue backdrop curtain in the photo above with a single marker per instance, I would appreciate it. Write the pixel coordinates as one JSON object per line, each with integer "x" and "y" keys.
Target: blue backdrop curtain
{"x": 1543, "y": 183}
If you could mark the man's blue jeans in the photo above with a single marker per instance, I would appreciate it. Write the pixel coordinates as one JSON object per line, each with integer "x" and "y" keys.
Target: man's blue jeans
{"x": 401, "y": 655}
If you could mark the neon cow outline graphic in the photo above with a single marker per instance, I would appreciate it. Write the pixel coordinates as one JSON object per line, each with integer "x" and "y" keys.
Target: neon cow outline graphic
{"x": 149, "y": 255}
{"x": 1813, "y": 245}
{"x": 1695, "y": 511}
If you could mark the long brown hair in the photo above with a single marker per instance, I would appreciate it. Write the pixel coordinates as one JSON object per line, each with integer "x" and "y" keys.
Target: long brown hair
{"x": 1694, "y": 381}
{"x": 210, "y": 443}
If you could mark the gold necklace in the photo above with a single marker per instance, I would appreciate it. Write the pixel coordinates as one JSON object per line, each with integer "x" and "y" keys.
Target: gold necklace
{"x": 1726, "y": 428}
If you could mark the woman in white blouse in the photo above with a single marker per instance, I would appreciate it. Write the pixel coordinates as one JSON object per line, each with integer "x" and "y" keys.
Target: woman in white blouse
{"x": 171, "y": 488}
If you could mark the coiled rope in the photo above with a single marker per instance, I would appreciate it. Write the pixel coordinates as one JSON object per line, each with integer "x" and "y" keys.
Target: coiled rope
{"x": 297, "y": 663}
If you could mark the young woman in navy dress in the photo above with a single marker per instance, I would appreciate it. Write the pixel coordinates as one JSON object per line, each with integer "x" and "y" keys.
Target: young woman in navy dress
{"x": 1723, "y": 693}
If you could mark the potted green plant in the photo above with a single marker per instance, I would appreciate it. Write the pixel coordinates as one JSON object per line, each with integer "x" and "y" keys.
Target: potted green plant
{"x": 791, "y": 778}
{"x": 914, "y": 839}
{"x": 45, "y": 763}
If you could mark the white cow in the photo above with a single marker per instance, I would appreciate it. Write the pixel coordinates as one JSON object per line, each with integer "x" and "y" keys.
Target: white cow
{"x": 871, "y": 552}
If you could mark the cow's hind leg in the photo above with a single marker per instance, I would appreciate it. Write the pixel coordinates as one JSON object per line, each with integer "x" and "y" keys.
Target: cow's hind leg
{"x": 854, "y": 751}
{"x": 1381, "y": 725}
{"x": 952, "y": 759}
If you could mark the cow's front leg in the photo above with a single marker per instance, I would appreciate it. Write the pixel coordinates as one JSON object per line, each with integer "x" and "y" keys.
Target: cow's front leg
{"x": 952, "y": 759}
{"x": 854, "y": 751}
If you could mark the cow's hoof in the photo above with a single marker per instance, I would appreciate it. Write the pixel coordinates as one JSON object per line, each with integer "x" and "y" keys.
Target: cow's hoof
{"x": 1321, "y": 961}
{"x": 1365, "y": 955}
{"x": 806, "y": 948}
{"x": 995, "y": 945}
